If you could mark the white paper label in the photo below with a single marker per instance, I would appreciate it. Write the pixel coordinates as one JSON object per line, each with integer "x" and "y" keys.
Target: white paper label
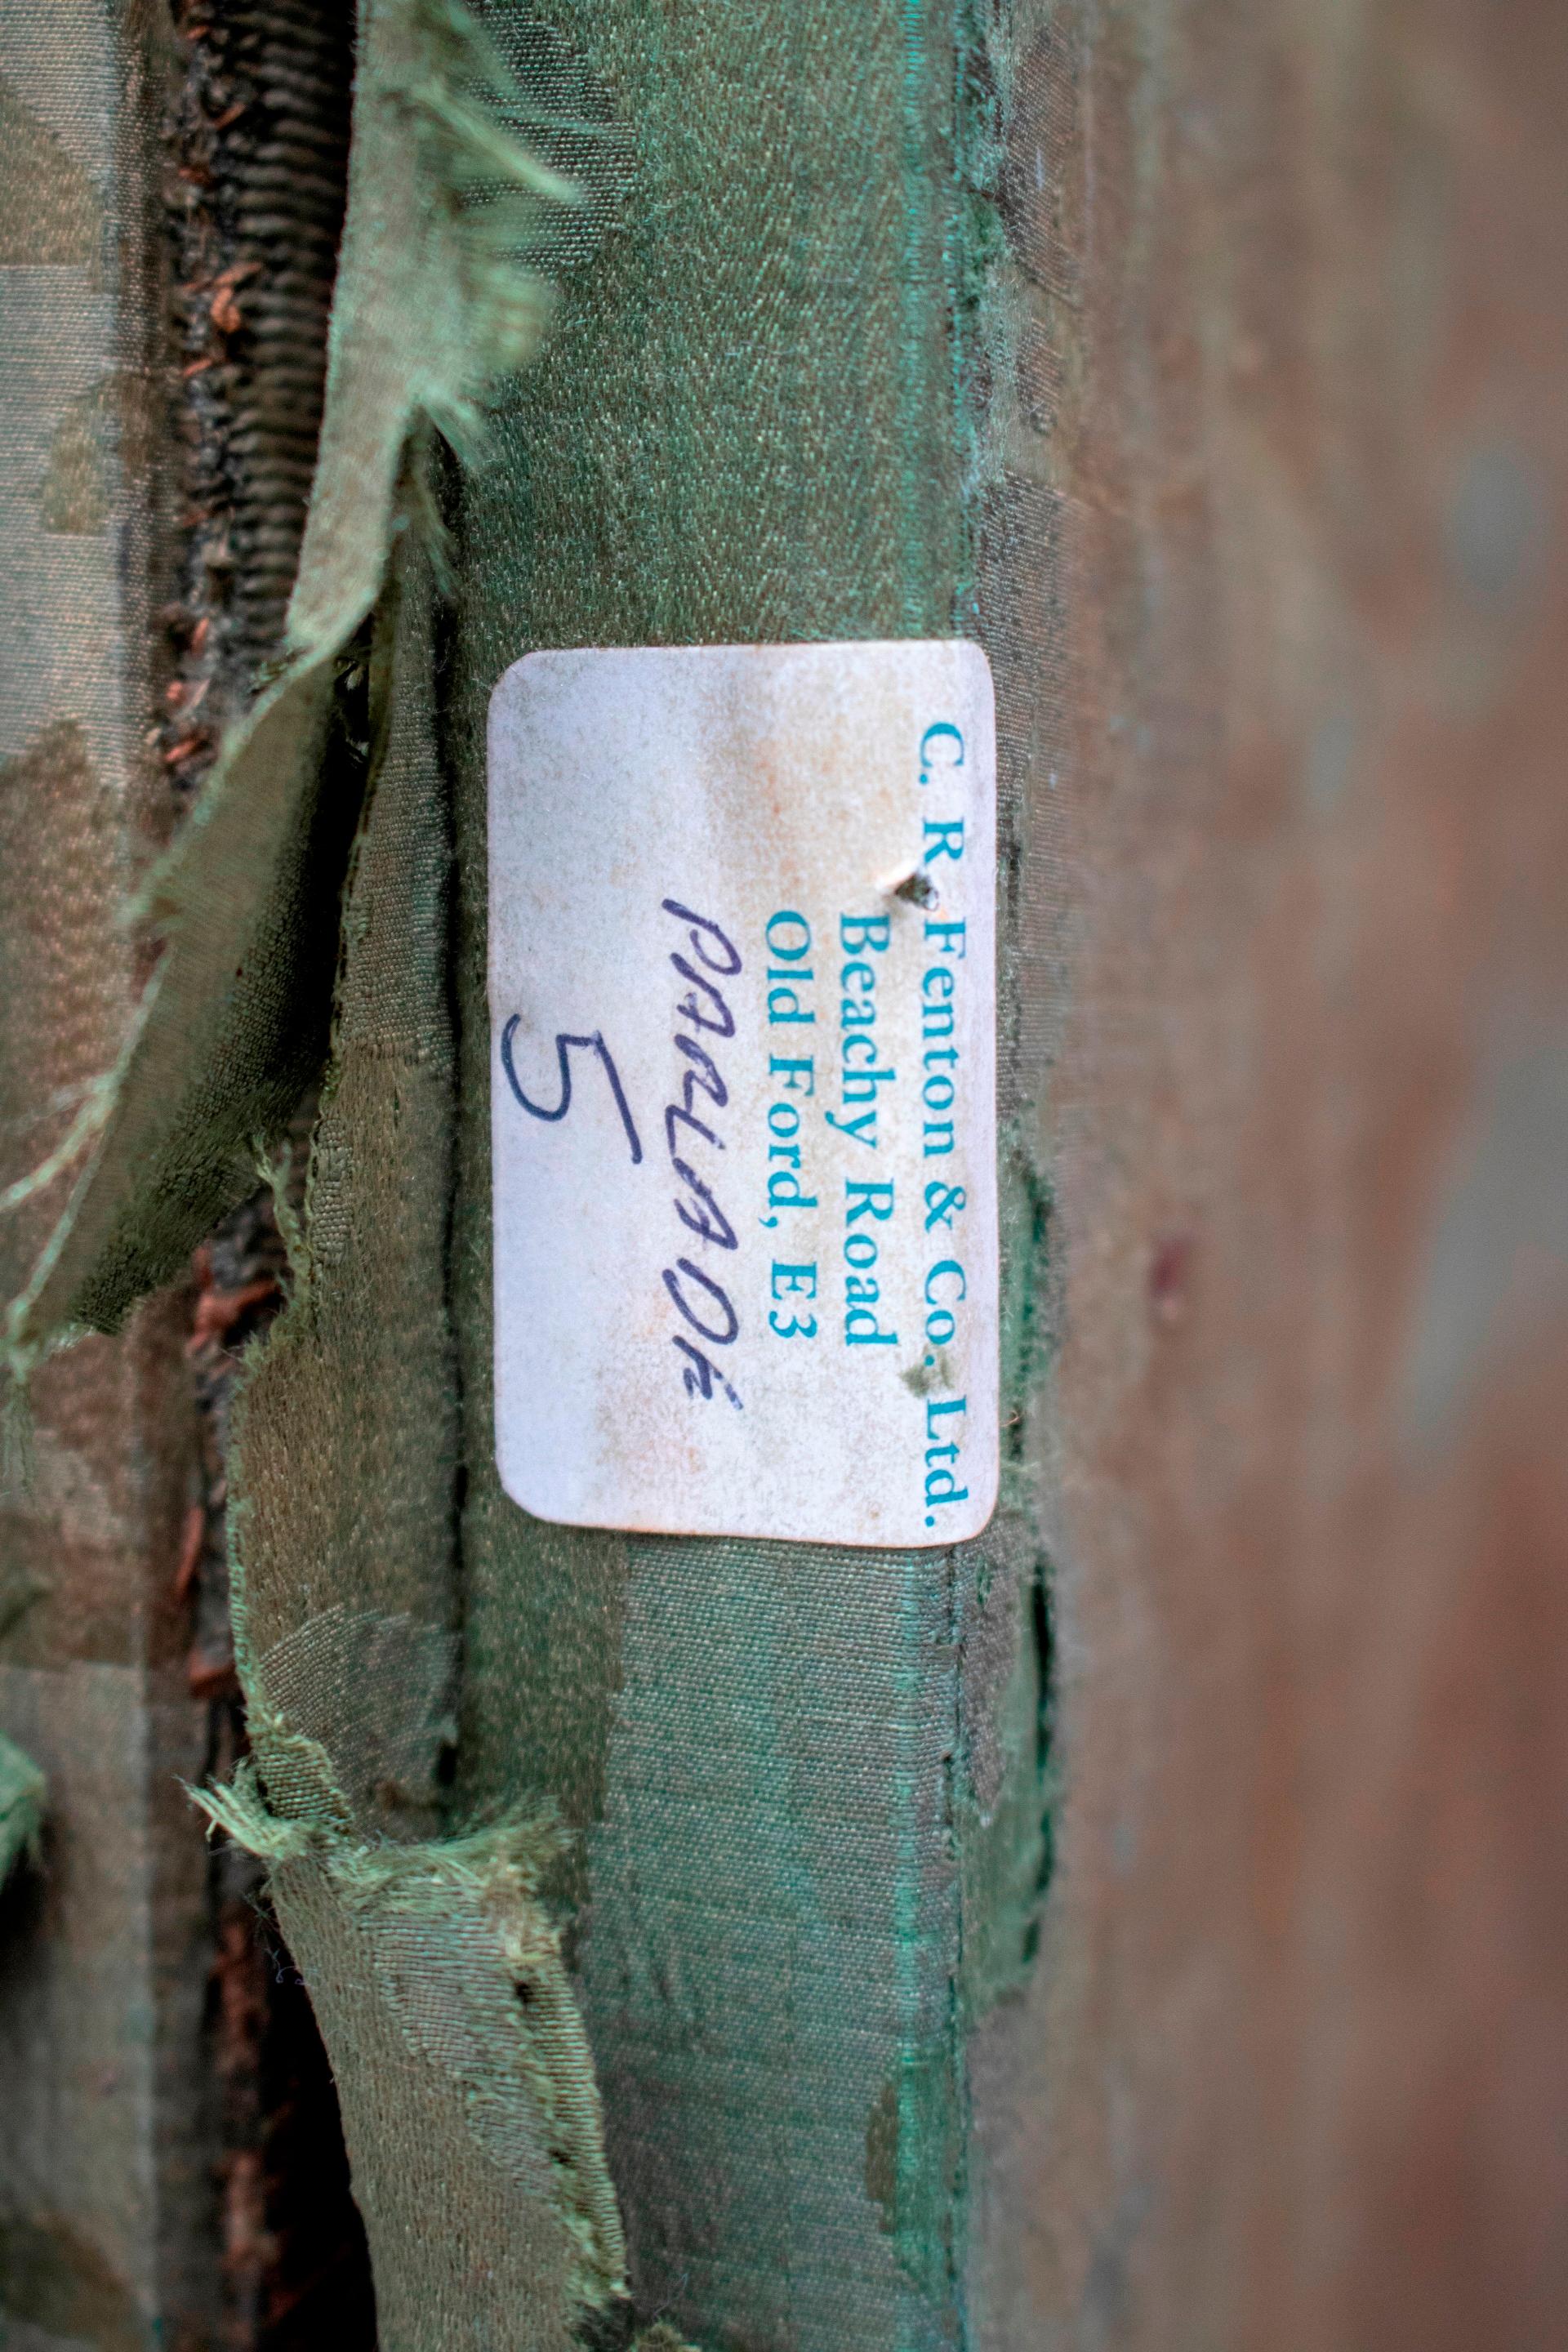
{"x": 742, "y": 1004}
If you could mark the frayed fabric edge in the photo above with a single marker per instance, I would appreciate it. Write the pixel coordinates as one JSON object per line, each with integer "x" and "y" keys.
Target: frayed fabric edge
{"x": 434, "y": 302}
{"x": 461, "y": 1917}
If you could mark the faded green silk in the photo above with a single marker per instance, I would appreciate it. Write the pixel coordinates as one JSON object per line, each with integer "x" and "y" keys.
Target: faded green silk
{"x": 430, "y": 303}
{"x": 755, "y": 420}
{"x": 647, "y": 1891}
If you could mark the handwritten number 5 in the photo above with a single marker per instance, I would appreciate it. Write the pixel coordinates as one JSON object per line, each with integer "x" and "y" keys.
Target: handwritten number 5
{"x": 593, "y": 1044}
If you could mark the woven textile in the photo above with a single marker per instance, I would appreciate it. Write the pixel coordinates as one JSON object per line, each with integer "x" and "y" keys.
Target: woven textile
{"x": 779, "y": 1809}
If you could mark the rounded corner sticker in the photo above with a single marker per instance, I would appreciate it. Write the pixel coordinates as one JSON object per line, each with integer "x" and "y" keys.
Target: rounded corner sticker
{"x": 744, "y": 1097}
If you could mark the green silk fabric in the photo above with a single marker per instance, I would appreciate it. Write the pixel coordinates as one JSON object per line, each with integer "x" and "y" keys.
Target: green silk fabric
{"x": 750, "y": 424}
{"x": 647, "y": 1891}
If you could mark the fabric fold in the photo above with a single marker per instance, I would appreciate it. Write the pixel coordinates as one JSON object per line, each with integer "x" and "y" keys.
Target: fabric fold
{"x": 432, "y": 303}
